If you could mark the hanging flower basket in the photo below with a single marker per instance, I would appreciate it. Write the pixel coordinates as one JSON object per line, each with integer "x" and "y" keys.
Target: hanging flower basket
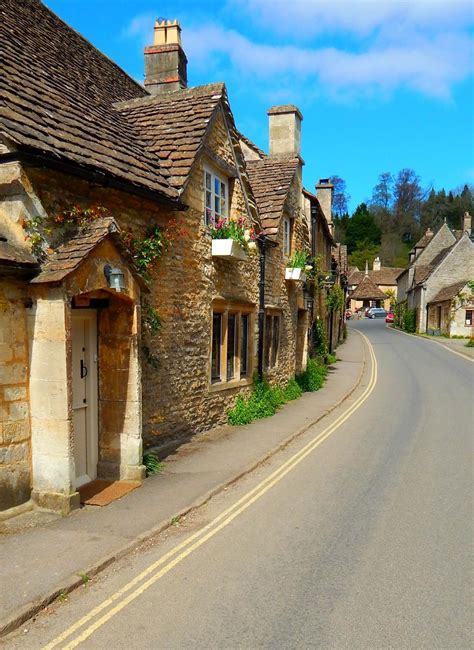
{"x": 229, "y": 249}
{"x": 295, "y": 274}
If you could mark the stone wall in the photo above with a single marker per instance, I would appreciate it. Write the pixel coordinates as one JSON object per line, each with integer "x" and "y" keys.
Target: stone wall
{"x": 15, "y": 439}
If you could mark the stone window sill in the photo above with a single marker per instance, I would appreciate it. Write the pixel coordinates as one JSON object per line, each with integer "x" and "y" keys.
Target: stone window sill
{"x": 228, "y": 385}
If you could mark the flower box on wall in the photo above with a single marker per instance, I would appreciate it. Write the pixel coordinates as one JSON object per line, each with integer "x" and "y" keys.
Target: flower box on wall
{"x": 228, "y": 249}
{"x": 295, "y": 274}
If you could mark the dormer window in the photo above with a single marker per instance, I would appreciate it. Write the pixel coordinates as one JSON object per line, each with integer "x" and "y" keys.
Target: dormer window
{"x": 216, "y": 196}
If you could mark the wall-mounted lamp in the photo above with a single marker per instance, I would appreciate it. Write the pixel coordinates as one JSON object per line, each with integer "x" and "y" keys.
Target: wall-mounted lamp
{"x": 308, "y": 303}
{"x": 115, "y": 278}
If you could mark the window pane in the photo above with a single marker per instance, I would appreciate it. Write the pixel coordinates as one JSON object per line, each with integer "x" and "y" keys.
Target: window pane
{"x": 276, "y": 339}
{"x": 208, "y": 199}
{"x": 208, "y": 181}
{"x": 231, "y": 345}
{"x": 217, "y": 205}
{"x": 216, "y": 347}
{"x": 244, "y": 344}
{"x": 223, "y": 190}
{"x": 217, "y": 186}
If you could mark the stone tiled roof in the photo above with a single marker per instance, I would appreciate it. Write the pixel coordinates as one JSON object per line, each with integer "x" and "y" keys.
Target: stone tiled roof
{"x": 367, "y": 290}
{"x": 271, "y": 180}
{"x": 422, "y": 272}
{"x": 424, "y": 241}
{"x": 57, "y": 95}
{"x": 68, "y": 257}
{"x": 450, "y": 292}
{"x": 251, "y": 144}
{"x": 385, "y": 277}
{"x": 173, "y": 126}
{"x": 13, "y": 255}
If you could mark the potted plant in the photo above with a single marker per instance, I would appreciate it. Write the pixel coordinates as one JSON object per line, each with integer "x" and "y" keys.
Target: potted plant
{"x": 231, "y": 238}
{"x": 297, "y": 267}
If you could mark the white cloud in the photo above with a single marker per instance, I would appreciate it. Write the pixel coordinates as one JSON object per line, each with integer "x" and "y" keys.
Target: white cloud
{"x": 302, "y": 18}
{"x": 427, "y": 65}
{"x": 422, "y": 45}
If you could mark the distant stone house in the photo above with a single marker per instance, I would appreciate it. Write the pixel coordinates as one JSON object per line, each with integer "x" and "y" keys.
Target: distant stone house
{"x": 376, "y": 287}
{"x": 451, "y": 310}
{"x": 438, "y": 261}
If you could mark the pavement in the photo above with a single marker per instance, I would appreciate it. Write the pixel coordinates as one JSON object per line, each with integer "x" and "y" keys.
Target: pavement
{"x": 44, "y": 556}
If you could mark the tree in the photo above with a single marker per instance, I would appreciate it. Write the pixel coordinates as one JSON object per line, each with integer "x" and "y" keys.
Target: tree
{"x": 340, "y": 196}
{"x": 366, "y": 251}
{"x": 362, "y": 228}
{"x": 382, "y": 194}
{"x": 408, "y": 198}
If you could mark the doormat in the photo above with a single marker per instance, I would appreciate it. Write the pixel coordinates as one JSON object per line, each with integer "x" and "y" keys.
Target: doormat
{"x": 101, "y": 492}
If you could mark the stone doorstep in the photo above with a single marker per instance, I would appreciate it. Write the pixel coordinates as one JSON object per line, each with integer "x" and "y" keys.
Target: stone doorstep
{"x": 67, "y": 585}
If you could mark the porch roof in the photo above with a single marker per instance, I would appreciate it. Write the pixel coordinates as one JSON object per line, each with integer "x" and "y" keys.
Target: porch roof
{"x": 69, "y": 256}
{"x": 450, "y": 292}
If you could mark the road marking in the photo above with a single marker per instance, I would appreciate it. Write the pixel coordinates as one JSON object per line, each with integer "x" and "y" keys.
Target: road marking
{"x": 423, "y": 338}
{"x": 185, "y": 548}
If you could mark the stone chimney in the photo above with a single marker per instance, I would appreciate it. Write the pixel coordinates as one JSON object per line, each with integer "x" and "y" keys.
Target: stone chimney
{"x": 284, "y": 130}
{"x": 324, "y": 192}
{"x": 165, "y": 60}
{"x": 377, "y": 265}
{"x": 467, "y": 223}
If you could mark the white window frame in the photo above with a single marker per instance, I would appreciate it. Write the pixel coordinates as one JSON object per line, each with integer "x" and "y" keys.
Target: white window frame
{"x": 216, "y": 196}
{"x": 237, "y": 376}
{"x": 286, "y": 236}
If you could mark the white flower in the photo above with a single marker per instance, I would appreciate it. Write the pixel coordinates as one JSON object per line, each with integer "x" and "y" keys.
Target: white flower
{"x": 252, "y": 245}
{"x": 247, "y": 235}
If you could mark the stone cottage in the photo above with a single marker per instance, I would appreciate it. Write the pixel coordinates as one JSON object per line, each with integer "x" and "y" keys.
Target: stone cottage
{"x": 276, "y": 181}
{"x": 451, "y": 310}
{"x": 438, "y": 261}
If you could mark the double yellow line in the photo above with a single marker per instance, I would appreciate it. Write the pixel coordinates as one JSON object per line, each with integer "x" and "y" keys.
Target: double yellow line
{"x": 161, "y": 567}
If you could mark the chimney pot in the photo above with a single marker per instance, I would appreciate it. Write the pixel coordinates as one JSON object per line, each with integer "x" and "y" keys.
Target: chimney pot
{"x": 165, "y": 60}
{"x": 324, "y": 192}
{"x": 467, "y": 223}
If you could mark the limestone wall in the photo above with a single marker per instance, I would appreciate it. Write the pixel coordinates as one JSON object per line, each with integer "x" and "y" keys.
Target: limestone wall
{"x": 15, "y": 439}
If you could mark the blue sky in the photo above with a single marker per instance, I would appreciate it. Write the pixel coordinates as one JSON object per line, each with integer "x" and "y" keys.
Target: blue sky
{"x": 382, "y": 84}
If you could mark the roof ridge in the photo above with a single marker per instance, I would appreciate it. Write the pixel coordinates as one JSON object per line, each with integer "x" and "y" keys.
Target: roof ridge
{"x": 182, "y": 93}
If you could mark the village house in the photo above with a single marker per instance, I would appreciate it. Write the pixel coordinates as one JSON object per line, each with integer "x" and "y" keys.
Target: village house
{"x": 437, "y": 262}
{"x": 101, "y": 350}
{"x": 376, "y": 287}
{"x": 451, "y": 310}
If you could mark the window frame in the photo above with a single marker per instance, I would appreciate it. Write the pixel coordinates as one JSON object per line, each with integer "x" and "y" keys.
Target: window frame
{"x": 232, "y": 377}
{"x": 287, "y": 236}
{"x": 272, "y": 340}
{"x": 210, "y": 212}
{"x": 467, "y": 322}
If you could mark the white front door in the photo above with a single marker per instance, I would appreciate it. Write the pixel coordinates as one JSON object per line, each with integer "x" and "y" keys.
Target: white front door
{"x": 84, "y": 394}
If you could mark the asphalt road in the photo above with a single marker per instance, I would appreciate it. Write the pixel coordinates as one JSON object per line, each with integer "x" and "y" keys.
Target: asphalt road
{"x": 365, "y": 543}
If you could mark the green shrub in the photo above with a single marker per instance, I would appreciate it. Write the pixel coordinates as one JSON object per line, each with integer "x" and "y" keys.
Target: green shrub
{"x": 330, "y": 359}
{"x": 469, "y": 344}
{"x": 313, "y": 377}
{"x": 292, "y": 391}
{"x": 320, "y": 346}
{"x": 153, "y": 464}
{"x": 409, "y": 320}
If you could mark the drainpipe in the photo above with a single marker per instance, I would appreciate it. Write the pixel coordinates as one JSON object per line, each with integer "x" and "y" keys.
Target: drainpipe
{"x": 262, "y": 245}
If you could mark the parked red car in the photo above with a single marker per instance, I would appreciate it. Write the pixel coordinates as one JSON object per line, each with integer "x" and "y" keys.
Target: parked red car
{"x": 390, "y": 317}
